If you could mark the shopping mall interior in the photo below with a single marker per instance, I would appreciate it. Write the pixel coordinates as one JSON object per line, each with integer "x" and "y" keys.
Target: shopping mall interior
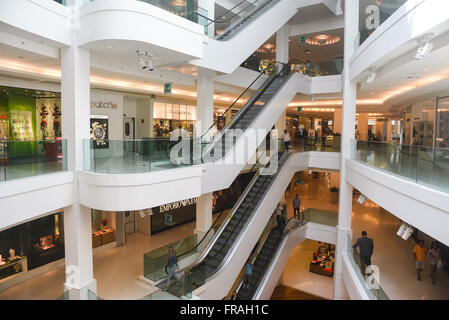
{"x": 253, "y": 139}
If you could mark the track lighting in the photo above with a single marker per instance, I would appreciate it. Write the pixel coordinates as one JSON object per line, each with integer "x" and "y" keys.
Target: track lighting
{"x": 145, "y": 60}
{"x": 401, "y": 230}
{"x": 371, "y": 75}
{"x": 405, "y": 231}
{"x": 361, "y": 199}
{"x": 424, "y": 50}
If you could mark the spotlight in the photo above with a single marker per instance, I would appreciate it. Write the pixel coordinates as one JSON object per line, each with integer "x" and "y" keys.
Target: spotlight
{"x": 361, "y": 199}
{"x": 150, "y": 64}
{"x": 142, "y": 63}
{"x": 142, "y": 214}
{"x": 408, "y": 232}
{"x": 402, "y": 229}
{"x": 371, "y": 75}
{"x": 424, "y": 50}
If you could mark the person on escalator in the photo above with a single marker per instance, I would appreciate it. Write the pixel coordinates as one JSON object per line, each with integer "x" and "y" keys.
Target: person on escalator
{"x": 287, "y": 139}
{"x": 172, "y": 262}
{"x": 248, "y": 272}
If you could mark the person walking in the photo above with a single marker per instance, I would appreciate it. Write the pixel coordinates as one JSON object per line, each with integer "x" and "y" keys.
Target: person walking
{"x": 366, "y": 248}
{"x": 287, "y": 139}
{"x": 296, "y": 205}
{"x": 419, "y": 252}
{"x": 435, "y": 259}
{"x": 248, "y": 272}
{"x": 172, "y": 262}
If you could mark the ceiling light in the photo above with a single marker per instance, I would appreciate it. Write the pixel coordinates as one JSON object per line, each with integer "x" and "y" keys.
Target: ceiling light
{"x": 371, "y": 75}
{"x": 322, "y": 40}
{"x": 108, "y": 47}
{"x": 361, "y": 199}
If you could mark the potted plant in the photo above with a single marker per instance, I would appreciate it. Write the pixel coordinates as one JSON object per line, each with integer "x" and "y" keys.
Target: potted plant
{"x": 334, "y": 195}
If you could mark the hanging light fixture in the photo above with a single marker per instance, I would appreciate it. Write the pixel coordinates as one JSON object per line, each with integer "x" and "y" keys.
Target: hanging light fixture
{"x": 322, "y": 40}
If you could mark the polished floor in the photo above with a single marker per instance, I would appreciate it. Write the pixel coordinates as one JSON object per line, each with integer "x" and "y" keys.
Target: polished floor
{"x": 287, "y": 293}
{"x": 392, "y": 255}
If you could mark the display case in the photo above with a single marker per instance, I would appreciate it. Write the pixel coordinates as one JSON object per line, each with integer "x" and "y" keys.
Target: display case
{"x": 102, "y": 237}
{"x": 12, "y": 267}
{"x": 323, "y": 260}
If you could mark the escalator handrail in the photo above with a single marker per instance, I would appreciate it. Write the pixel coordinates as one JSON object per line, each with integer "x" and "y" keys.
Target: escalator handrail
{"x": 273, "y": 251}
{"x": 246, "y": 224}
{"x": 228, "y": 219}
{"x": 227, "y": 12}
{"x": 213, "y": 224}
{"x": 285, "y": 70}
{"x": 235, "y": 23}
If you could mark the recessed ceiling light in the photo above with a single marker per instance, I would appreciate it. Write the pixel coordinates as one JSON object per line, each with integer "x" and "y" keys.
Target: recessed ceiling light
{"x": 108, "y": 47}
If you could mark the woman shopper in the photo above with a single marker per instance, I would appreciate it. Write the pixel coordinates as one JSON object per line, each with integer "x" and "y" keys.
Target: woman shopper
{"x": 435, "y": 259}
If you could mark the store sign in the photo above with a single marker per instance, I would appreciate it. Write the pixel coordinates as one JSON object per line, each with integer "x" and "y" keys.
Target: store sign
{"x": 168, "y": 219}
{"x": 103, "y": 105}
{"x": 176, "y": 205}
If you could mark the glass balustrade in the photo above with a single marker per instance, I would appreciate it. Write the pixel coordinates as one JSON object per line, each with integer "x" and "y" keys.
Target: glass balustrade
{"x": 320, "y": 144}
{"x": 22, "y": 159}
{"x": 372, "y": 14}
{"x": 369, "y": 281}
{"x": 423, "y": 165}
{"x": 325, "y": 217}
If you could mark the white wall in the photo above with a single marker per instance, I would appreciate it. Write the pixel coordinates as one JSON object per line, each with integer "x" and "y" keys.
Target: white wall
{"x": 115, "y": 116}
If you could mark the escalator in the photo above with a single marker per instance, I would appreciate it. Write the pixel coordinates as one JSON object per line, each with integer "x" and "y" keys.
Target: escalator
{"x": 260, "y": 264}
{"x": 220, "y": 248}
{"x": 217, "y": 253}
{"x": 251, "y": 11}
{"x": 243, "y": 119}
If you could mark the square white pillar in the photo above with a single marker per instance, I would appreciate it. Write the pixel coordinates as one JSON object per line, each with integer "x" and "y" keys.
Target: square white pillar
{"x": 75, "y": 107}
{"x": 205, "y": 103}
{"x": 203, "y": 213}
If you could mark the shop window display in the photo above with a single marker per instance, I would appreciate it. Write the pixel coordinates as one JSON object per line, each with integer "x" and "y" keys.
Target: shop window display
{"x": 168, "y": 117}
{"x": 103, "y": 227}
{"x": 31, "y": 245}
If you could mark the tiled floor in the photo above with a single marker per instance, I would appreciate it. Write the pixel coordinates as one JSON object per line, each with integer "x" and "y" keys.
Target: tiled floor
{"x": 391, "y": 254}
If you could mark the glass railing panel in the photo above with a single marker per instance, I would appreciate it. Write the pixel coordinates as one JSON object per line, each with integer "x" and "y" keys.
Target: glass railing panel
{"x": 325, "y": 217}
{"x": 368, "y": 281}
{"x": 423, "y": 165}
{"x": 155, "y": 260}
{"x": 433, "y": 167}
{"x": 129, "y": 156}
{"x": 22, "y": 159}
{"x": 374, "y": 13}
{"x": 320, "y": 144}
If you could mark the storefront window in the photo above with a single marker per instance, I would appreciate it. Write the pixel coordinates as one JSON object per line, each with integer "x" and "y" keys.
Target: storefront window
{"x": 31, "y": 245}
{"x": 442, "y": 132}
{"x": 423, "y": 124}
{"x": 168, "y": 117}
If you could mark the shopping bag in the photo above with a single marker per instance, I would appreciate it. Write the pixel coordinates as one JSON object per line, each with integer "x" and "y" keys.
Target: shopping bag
{"x": 178, "y": 275}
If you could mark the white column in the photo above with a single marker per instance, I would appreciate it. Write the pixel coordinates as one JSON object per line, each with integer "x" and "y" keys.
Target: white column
{"x": 388, "y": 139}
{"x": 282, "y": 47}
{"x": 362, "y": 126}
{"x": 205, "y": 102}
{"x": 75, "y": 101}
{"x": 203, "y": 213}
{"x": 209, "y": 6}
{"x": 337, "y": 120}
{"x": 348, "y": 132}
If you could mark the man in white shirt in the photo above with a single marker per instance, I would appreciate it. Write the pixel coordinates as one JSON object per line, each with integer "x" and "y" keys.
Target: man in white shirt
{"x": 286, "y": 140}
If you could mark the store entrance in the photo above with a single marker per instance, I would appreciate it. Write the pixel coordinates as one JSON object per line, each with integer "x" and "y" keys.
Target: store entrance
{"x": 128, "y": 128}
{"x": 130, "y": 222}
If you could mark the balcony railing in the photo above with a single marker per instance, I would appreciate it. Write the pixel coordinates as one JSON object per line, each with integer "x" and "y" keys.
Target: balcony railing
{"x": 423, "y": 165}
{"x": 368, "y": 280}
{"x": 22, "y": 159}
